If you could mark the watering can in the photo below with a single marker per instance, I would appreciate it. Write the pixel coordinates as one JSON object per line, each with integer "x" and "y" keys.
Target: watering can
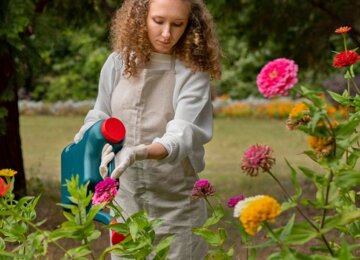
{"x": 84, "y": 158}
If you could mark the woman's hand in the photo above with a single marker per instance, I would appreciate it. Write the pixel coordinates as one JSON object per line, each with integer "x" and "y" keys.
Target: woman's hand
{"x": 106, "y": 156}
{"x": 127, "y": 156}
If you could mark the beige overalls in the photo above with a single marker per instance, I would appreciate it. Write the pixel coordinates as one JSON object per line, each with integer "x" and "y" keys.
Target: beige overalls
{"x": 163, "y": 190}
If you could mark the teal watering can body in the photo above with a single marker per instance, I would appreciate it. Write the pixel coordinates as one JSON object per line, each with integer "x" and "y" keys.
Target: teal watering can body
{"x": 84, "y": 158}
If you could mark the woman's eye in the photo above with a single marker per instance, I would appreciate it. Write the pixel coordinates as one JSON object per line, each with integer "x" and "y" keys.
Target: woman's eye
{"x": 158, "y": 21}
{"x": 177, "y": 24}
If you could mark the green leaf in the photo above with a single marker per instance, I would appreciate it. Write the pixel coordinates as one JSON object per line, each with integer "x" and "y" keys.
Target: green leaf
{"x": 230, "y": 252}
{"x": 92, "y": 212}
{"x": 134, "y": 229}
{"x": 79, "y": 252}
{"x": 354, "y": 229}
{"x": 216, "y": 216}
{"x": 347, "y": 128}
{"x": 213, "y": 238}
{"x": 287, "y": 229}
{"x": 312, "y": 175}
{"x": 163, "y": 248}
{"x": 344, "y": 252}
{"x": 301, "y": 233}
{"x": 121, "y": 228}
{"x": 337, "y": 97}
{"x": 347, "y": 179}
{"x": 340, "y": 220}
{"x": 2, "y": 244}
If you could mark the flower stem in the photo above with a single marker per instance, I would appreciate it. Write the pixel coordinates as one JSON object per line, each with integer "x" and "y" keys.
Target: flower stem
{"x": 119, "y": 211}
{"x": 303, "y": 214}
{"x": 208, "y": 202}
{"x": 278, "y": 241}
{"x": 355, "y": 85}
{"x": 292, "y": 200}
{"x": 322, "y": 223}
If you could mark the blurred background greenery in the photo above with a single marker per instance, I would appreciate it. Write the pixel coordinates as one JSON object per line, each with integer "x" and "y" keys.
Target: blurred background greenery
{"x": 54, "y": 50}
{"x": 58, "y": 47}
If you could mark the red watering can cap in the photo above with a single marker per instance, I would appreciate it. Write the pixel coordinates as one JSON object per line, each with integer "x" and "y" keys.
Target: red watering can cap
{"x": 113, "y": 130}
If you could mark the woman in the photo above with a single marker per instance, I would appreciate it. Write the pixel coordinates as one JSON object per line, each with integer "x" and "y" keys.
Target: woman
{"x": 157, "y": 83}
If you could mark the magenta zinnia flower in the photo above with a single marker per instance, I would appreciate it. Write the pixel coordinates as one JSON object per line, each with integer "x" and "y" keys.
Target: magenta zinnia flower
{"x": 201, "y": 189}
{"x": 234, "y": 200}
{"x": 105, "y": 191}
{"x": 345, "y": 59}
{"x": 277, "y": 77}
{"x": 257, "y": 157}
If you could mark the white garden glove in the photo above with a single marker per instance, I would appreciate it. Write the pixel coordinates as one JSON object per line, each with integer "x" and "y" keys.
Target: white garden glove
{"x": 106, "y": 156}
{"x": 127, "y": 156}
{"x": 78, "y": 137}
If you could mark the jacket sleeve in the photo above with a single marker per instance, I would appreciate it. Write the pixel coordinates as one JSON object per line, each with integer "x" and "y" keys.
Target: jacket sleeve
{"x": 109, "y": 76}
{"x": 192, "y": 125}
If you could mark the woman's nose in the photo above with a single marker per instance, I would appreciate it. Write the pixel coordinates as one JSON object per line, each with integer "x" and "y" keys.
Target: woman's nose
{"x": 166, "y": 33}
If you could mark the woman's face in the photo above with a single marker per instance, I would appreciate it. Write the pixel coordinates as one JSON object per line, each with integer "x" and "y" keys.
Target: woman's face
{"x": 166, "y": 22}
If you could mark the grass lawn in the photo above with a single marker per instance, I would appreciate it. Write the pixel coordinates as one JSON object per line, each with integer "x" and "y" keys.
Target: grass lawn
{"x": 44, "y": 138}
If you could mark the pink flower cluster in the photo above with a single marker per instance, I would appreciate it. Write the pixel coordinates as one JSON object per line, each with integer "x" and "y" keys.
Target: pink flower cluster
{"x": 277, "y": 77}
{"x": 105, "y": 191}
{"x": 202, "y": 189}
{"x": 234, "y": 200}
{"x": 257, "y": 157}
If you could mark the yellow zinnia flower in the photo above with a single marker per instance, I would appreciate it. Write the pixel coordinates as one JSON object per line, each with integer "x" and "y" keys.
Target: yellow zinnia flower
{"x": 298, "y": 109}
{"x": 7, "y": 172}
{"x": 299, "y": 115}
{"x": 264, "y": 208}
{"x": 322, "y": 145}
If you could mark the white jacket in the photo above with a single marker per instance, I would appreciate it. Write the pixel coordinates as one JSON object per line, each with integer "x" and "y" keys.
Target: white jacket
{"x": 192, "y": 125}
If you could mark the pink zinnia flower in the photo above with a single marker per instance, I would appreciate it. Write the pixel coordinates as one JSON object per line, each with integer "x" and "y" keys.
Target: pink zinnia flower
{"x": 105, "y": 191}
{"x": 201, "y": 189}
{"x": 257, "y": 157}
{"x": 277, "y": 77}
{"x": 345, "y": 59}
{"x": 234, "y": 200}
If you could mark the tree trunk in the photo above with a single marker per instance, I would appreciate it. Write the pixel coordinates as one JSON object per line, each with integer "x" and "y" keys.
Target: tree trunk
{"x": 10, "y": 142}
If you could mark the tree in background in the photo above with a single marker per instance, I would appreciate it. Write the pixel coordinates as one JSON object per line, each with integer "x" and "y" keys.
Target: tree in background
{"x": 28, "y": 31}
{"x": 255, "y": 31}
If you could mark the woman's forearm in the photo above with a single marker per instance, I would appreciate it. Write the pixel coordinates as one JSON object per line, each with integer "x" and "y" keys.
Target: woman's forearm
{"x": 156, "y": 151}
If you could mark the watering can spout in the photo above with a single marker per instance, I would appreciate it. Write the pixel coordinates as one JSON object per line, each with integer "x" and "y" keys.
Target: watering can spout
{"x": 84, "y": 158}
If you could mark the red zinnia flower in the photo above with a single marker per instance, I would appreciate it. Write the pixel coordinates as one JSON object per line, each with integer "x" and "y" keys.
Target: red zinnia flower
{"x": 343, "y": 29}
{"x": 4, "y": 187}
{"x": 345, "y": 59}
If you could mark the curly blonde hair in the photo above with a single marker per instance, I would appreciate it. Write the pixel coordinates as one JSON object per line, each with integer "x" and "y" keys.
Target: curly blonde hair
{"x": 198, "y": 48}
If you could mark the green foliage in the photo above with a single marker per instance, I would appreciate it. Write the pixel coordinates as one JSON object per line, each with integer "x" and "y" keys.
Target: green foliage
{"x": 73, "y": 75}
{"x": 326, "y": 223}
{"x": 20, "y": 229}
{"x": 214, "y": 234}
